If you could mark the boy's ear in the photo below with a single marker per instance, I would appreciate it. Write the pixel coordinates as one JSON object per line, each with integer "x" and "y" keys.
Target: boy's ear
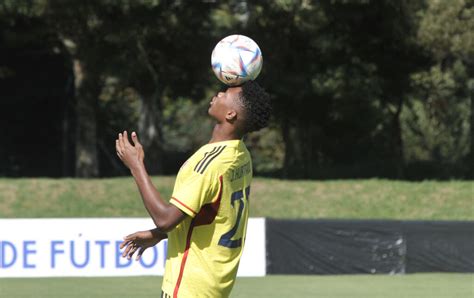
{"x": 231, "y": 116}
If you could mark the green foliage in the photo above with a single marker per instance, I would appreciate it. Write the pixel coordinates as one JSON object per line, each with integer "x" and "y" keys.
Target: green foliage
{"x": 437, "y": 125}
{"x": 186, "y": 124}
{"x": 267, "y": 149}
{"x": 447, "y": 28}
{"x": 14, "y": 8}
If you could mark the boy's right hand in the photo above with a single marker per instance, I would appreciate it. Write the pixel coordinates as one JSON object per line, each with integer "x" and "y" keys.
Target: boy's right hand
{"x": 139, "y": 241}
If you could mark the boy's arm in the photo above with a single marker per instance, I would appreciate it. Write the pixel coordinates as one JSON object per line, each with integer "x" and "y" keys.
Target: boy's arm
{"x": 165, "y": 216}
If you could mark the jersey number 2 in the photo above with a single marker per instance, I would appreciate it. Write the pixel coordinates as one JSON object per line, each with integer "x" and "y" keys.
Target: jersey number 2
{"x": 226, "y": 239}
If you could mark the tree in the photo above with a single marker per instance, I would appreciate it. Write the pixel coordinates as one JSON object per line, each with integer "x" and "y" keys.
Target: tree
{"x": 440, "y": 123}
{"x": 160, "y": 56}
{"x": 78, "y": 26}
{"x": 149, "y": 46}
{"x": 339, "y": 71}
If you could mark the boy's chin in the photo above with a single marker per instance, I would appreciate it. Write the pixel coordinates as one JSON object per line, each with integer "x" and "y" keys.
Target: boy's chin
{"x": 213, "y": 116}
{"x": 209, "y": 112}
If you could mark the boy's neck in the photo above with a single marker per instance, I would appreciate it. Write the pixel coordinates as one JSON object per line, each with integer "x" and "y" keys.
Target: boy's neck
{"x": 223, "y": 132}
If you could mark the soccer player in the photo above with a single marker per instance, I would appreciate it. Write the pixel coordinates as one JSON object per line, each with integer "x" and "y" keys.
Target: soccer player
{"x": 205, "y": 220}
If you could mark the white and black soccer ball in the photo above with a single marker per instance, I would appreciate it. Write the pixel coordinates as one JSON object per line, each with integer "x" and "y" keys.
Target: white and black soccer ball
{"x": 236, "y": 59}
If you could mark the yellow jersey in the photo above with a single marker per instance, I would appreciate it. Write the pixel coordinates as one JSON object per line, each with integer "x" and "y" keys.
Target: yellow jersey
{"x": 204, "y": 250}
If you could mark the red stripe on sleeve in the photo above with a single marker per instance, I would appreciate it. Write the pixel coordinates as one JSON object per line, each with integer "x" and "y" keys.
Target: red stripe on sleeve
{"x": 184, "y": 205}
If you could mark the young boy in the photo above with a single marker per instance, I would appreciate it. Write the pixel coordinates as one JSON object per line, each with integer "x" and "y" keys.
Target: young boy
{"x": 205, "y": 220}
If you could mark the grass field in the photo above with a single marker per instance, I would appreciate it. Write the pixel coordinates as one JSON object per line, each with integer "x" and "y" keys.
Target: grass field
{"x": 363, "y": 199}
{"x": 350, "y": 286}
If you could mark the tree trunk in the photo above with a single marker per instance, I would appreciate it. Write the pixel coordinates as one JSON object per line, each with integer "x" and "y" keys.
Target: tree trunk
{"x": 305, "y": 147}
{"x": 149, "y": 121}
{"x": 150, "y": 133}
{"x": 67, "y": 130}
{"x": 397, "y": 141}
{"x": 471, "y": 151}
{"x": 87, "y": 90}
{"x": 287, "y": 139}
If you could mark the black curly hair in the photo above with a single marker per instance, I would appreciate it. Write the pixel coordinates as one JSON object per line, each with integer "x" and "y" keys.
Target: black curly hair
{"x": 257, "y": 106}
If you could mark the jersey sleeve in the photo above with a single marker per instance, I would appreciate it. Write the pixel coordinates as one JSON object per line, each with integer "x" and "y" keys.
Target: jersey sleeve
{"x": 195, "y": 191}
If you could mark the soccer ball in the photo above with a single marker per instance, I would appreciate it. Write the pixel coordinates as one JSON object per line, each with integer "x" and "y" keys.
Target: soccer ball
{"x": 236, "y": 59}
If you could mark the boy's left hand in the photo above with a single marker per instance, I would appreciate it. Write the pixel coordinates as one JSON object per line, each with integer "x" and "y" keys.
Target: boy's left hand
{"x": 131, "y": 155}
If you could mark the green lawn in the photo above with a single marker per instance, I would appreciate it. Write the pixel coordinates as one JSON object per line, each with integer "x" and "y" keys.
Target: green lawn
{"x": 350, "y": 286}
{"x": 363, "y": 199}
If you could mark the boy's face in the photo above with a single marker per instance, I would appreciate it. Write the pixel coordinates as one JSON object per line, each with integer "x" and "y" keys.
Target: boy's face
{"x": 224, "y": 105}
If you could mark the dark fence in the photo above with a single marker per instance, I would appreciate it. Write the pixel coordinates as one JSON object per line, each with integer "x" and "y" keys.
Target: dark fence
{"x": 368, "y": 246}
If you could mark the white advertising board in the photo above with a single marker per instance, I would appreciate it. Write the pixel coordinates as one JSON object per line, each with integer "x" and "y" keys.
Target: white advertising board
{"x": 90, "y": 247}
